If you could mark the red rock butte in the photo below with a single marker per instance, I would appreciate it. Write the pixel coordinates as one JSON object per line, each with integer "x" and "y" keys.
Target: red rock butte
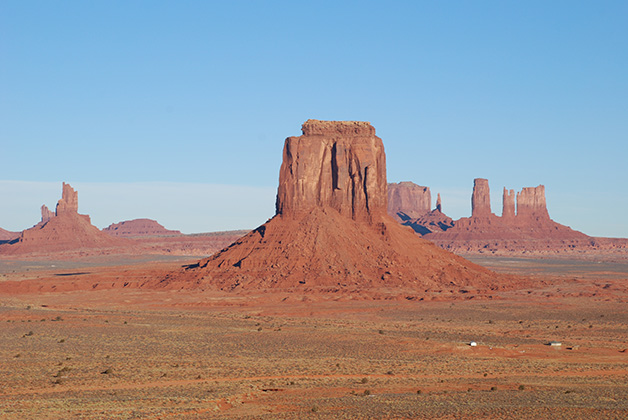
{"x": 529, "y": 229}
{"x": 410, "y": 204}
{"x": 63, "y": 230}
{"x": 139, "y": 228}
{"x": 331, "y": 230}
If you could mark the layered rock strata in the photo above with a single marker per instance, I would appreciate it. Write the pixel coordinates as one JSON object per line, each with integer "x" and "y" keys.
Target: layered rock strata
{"x": 530, "y": 229}
{"x": 139, "y": 228}
{"x": 6, "y": 235}
{"x": 331, "y": 230}
{"x": 481, "y": 199}
{"x": 64, "y": 230}
{"x": 406, "y": 200}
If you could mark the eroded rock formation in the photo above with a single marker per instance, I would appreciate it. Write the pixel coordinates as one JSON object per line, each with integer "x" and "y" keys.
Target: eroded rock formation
{"x": 64, "y": 230}
{"x": 531, "y": 203}
{"x": 409, "y": 204}
{"x": 508, "y": 209}
{"x": 340, "y": 165}
{"x": 68, "y": 202}
{"x": 6, "y": 235}
{"x": 331, "y": 230}
{"x": 481, "y": 198}
{"x": 407, "y": 200}
{"x": 530, "y": 229}
{"x": 139, "y": 228}
{"x": 46, "y": 214}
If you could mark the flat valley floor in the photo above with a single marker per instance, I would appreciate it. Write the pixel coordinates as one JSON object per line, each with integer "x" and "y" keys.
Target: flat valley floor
{"x": 91, "y": 346}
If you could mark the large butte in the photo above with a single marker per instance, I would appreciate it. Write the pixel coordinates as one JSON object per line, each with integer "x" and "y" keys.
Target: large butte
{"x": 331, "y": 230}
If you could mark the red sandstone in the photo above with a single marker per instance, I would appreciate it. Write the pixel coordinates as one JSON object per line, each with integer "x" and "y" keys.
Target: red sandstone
{"x": 331, "y": 230}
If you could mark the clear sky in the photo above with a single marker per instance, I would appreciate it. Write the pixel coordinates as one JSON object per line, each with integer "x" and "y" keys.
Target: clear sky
{"x": 177, "y": 110}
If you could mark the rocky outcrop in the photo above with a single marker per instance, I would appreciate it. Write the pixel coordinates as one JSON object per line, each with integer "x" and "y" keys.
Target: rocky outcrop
{"x": 66, "y": 230}
{"x": 46, "y": 214}
{"x": 528, "y": 230}
{"x": 138, "y": 228}
{"x": 407, "y": 200}
{"x": 336, "y": 164}
{"x": 6, "y": 235}
{"x": 331, "y": 231}
{"x": 531, "y": 203}
{"x": 409, "y": 204}
{"x": 68, "y": 202}
{"x": 508, "y": 209}
{"x": 481, "y": 198}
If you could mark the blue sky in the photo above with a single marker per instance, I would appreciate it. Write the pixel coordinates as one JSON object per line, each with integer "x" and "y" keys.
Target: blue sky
{"x": 193, "y": 99}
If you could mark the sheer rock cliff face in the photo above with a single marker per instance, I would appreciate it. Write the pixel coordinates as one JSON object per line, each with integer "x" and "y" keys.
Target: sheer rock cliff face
{"x": 46, "y": 214}
{"x": 331, "y": 231}
{"x": 531, "y": 203}
{"x": 481, "y": 199}
{"x": 530, "y": 229}
{"x": 68, "y": 202}
{"x": 508, "y": 209}
{"x": 340, "y": 165}
{"x": 409, "y": 204}
{"x": 408, "y": 200}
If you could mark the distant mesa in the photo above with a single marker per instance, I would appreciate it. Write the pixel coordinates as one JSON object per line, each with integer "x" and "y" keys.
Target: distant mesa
{"x": 6, "y": 235}
{"x": 331, "y": 230}
{"x": 63, "y": 230}
{"x": 410, "y": 204}
{"x": 407, "y": 200}
{"x": 139, "y": 228}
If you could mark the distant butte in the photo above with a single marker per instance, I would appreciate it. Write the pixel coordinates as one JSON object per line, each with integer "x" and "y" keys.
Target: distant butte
{"x": 6, "y": 235}
{"x": 331, "y": 230}
{"x": 139, "y": 228}
{"x": 410, "y": 204}
{"x": 63, "y": 230}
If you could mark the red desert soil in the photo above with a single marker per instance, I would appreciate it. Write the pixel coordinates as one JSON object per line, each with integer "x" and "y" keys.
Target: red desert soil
{"x": 330, "y": 310}
{"x": 331, "y": 231}
{"x": 80, "y": 341}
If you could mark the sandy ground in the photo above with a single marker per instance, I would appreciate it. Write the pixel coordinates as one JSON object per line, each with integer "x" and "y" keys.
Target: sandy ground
{"x": 82, "y": 341}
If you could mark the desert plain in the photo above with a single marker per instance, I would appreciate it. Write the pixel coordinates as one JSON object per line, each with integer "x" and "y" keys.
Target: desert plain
{"x": 83, "y": 339}
{"x": 331, "y": 309}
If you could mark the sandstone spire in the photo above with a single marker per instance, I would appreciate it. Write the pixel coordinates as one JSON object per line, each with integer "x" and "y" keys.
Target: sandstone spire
{"x": 508, "y": 209}
{"x": 481, "y": 198}
{"x": 46, "y": 214}
{"x": 337, "y": 164}
{"x": 68, "y": 202}
{"x": 439, "y": 206}
{"x": 63, "y": 231}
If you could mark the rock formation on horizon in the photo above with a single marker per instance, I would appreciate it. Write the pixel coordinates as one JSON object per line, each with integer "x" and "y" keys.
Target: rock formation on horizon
{"x": 139, "y": 228}
{"x": 64, "y": 230}
{"x": 407, "y": 200}
{"x": 410, "y": 204}
{"x": 530, "y": 229}
{"x": 481, "y": 199}
{"x": 6, "y": 235}
{"x": 331, "y": 230}
{"x": 508, "y": 206}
